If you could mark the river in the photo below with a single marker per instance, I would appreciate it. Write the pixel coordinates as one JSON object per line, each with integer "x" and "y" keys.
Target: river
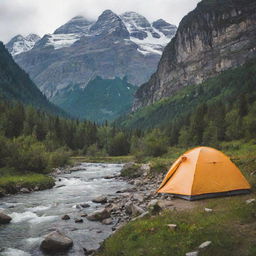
{"x": 36, "y": 214}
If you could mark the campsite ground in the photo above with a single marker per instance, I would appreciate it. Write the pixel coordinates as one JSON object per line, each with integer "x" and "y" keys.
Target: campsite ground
{"x": 230, "y": 226}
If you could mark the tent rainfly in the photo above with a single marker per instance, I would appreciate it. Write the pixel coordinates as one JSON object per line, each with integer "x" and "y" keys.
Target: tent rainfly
{"x": 204, "y": 172}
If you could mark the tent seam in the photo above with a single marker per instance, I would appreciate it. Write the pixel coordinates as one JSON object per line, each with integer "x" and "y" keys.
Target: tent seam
{"x": 195, "y": 172}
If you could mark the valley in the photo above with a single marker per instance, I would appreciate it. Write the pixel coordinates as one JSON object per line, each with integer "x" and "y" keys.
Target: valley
{"x": 109, "y": 127}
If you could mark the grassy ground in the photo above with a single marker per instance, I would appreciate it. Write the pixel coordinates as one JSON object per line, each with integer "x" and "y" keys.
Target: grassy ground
{"x": 11, "y": 182}
{"x": 231, "y": 226}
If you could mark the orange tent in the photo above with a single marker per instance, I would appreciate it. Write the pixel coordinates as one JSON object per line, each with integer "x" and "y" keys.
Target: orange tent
{"x": 204, "y": 172}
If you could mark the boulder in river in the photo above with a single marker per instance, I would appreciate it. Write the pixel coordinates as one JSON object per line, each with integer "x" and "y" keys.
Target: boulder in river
{"x": 79, "y": 221}
{"x": 65, "y": 217}
{"x": 84, "y": 205}
{"x": 55, "y": 242}
{"x": 99, "y": 215}
{"x": 100, "y": 200}
{"x": 4, "y": 219}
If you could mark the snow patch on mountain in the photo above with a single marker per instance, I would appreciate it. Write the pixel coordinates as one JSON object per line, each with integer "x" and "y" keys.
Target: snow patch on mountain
{"x": 150, "y": 39}
{"x": 19, "y": 43}
{"x": 59, "y": 41}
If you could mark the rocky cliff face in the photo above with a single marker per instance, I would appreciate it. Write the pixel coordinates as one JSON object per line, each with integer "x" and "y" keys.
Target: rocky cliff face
{"x": 216, "y": 36}
{"x": 126, "y": 45}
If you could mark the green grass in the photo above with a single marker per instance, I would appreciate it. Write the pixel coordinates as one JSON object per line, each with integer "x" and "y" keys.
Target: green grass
{"x": 231, "y": 228}
{"x": 11, "y": 182}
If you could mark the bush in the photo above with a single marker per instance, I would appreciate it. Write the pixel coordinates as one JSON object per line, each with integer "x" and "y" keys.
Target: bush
{"x": 131, "y": 171}
{"x": 59, "y": 158}
{"x": 155, "y": 143}
{"x": 119, "y": 145}
{"x": 159, "y": 166}
{"x": 28, "y": 155}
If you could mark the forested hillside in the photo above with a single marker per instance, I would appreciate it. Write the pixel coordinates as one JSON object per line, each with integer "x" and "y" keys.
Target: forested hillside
{"x": 222, "y": 108}
{"x": 16, "y": 85}
{"x": 100, "y": 100}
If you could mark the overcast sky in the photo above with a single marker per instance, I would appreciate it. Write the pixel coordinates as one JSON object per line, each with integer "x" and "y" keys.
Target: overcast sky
{"x": 44, "y": 16}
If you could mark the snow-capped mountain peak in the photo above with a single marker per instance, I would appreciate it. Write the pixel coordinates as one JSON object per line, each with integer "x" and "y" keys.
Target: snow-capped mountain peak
{"x": 77, "y": 25}
{"x": 150, "y": 38}
{"x": 19, "y": 43}
{"x": 109, "y": 23}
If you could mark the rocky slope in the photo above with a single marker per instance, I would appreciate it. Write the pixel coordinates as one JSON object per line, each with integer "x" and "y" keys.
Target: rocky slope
{"x": 214, "y": 37}
{"x": 113, "y": 46}
{"x": 16, "y": 85}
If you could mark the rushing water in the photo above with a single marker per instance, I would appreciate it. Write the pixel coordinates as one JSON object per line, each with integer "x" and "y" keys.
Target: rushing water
{"x": 35, "y": 215}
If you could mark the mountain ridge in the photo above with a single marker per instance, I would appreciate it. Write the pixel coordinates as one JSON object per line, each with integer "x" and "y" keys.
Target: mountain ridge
{"x": 15, "y": 85}
{"x": 104, "y": 48}
{"x": 212, "y": 38}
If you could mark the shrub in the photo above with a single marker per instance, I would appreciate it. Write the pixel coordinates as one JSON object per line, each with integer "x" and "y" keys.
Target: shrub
{"x": 131, "y": 171}
{"x": 154, "y": 144}
{"x": 119, "y": 145}
{"x": 59, "y": 158}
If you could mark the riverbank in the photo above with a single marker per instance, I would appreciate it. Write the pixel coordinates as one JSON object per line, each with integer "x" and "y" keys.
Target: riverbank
{"x": 13, "y": 183}
{"x": 220, "y": 226}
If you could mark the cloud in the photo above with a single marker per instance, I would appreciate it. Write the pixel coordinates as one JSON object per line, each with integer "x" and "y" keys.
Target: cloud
{"x": 44, "y": 16}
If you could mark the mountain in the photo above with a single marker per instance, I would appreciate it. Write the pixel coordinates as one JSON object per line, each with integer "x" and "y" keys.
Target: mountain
{"x": 100, "y": 100}
{"x": 215, "y": 95}
{"x": 126, "y": 45}
{"x": 16, "y": 85}
{"x": 19, "y": 43}
{"x": 216, "y": 36}
{"x": 77, "y": 25}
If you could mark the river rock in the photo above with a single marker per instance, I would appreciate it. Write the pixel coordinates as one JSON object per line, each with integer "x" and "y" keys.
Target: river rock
{"x": 65, "y": 217}
{"x": 141, "y": 216}
{"x": 208, "y": 210}
{"x": 172, "y": 226}
{"x": 154, "y": 207}
{"x": 100, "y": 200}
{"x": 192, "y": 253}
{"x": 79, "y": 221}
{"x": 138, "y": 197}
{"x": 99, "y": 215}
{"x": 204, "y": 244}
{"x": 55, "y": 242}
{"x": 85, "y": 205}
{"x": 4, "y": 219}
{"x": 136, "y": 210}
{"x": 107, "y": 221}
{"x": 132, "y": 209}
{"x": 137, "y": 182}
{"x": 24, "y": 190}
{"x": 36, "y": 188}
{"x": 88, "y": 252}
{"x": 249, "y": 201}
